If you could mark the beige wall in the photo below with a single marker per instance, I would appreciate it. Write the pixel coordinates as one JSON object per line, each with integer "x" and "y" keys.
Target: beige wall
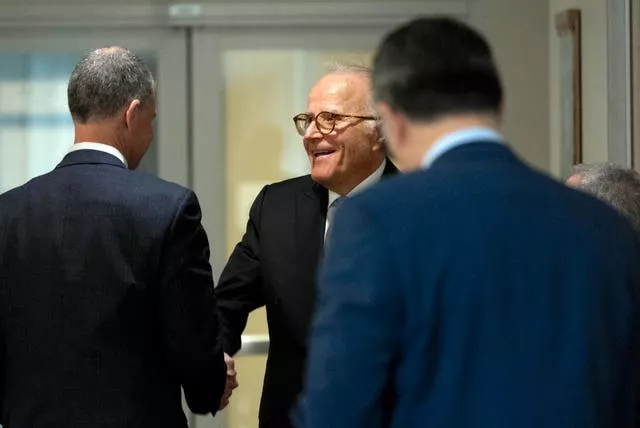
{"x": 594, "y": 79}
{"x": 518, "y": 31}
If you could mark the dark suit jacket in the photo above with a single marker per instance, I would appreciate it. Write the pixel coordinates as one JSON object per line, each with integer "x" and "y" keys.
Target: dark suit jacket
{"x": 489, "y": 295}
{"x": 275, "y": 265}
{"x": 106, "y": 300}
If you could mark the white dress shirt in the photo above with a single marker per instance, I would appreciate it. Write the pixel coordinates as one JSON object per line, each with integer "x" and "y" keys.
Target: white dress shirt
{"x": 101, "y": 148}
{"x": 366, "y": 183}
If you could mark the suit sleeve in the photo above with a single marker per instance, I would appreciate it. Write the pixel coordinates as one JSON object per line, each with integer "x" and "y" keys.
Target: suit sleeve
{"x": 354, "y": 337}
{"x": 188, "y": 311}
{"x": 239, "y": 291}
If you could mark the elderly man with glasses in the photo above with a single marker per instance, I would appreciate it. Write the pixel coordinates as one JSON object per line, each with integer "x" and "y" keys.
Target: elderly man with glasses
{"x": 275, "y": 263}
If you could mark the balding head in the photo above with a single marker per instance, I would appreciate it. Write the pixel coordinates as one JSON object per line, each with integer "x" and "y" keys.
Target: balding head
{"x": 619, "y": 187}
{"x": 105, "y": 82}
{"x": 112, "y": 101}
{"x": 360, "y": 73}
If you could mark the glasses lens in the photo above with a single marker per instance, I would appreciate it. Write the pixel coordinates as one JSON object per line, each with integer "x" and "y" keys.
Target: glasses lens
{"x": 302, "y": 122}
{"x": 325, "y": 122}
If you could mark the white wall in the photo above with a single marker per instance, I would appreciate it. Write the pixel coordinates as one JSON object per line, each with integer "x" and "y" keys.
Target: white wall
{"x": 594, "y": 79}
{"x": 519, "y": 32}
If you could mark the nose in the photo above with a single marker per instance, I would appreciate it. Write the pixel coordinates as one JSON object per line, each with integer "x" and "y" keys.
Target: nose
{"x": 312, "y": 131}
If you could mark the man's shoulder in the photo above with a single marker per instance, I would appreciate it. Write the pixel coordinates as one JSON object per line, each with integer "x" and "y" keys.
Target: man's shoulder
{"x": 303, "y": 183}
{"x": 122, "y": 184}
{"x": 153, "y": 181}
{"x": 291, "y": 187}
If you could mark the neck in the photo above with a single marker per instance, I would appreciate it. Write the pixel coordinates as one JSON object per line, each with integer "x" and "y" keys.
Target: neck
{"x": 102, "y": 133}
{"x": 424, "y": 136}
{"x": 343, "y": 188}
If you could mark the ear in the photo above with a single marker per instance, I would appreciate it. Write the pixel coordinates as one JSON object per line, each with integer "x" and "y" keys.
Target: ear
{"x": 381, "y": 139}
{"x": 132, "y": 112}
{"x": 393, "y": 124}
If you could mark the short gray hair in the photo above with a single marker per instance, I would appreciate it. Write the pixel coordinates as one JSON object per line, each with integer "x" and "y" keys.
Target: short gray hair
{"x": 107, "y": 80}
{"x": 618, "y": 186}
{"x": 338, "y": 67}
{"x": 349, "y": 67}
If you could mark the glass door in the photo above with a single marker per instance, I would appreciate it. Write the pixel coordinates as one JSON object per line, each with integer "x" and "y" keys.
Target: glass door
{"x": 244, "y": 138}
{"x": 35, "y": 126}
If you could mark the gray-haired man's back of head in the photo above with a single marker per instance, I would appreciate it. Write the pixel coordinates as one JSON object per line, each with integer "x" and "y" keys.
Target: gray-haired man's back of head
{"x": 106, "y": 81}
{"x": 618, "y": 186}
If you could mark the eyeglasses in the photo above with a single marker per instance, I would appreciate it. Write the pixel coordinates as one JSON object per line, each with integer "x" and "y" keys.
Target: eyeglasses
{"x": 325, "y": 121}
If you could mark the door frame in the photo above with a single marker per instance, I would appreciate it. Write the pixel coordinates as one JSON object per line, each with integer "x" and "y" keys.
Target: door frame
{"x": 619, "y": 82}
{"x": 635, "y": 82}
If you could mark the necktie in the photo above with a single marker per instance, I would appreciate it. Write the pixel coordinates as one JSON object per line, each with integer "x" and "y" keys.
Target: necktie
{"x": 331, "y": 211}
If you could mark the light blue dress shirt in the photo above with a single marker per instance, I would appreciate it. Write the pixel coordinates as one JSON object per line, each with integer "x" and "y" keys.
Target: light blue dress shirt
{"x": 450, "y": 141}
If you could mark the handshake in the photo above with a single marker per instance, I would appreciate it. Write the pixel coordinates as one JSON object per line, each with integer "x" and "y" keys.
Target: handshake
{"x": 231, "y": 383}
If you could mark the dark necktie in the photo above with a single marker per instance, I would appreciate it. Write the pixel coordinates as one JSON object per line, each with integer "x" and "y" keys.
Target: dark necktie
{"x": 331, "y": 211}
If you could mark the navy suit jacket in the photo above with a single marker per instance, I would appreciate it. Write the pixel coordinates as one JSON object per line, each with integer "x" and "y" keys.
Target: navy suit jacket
{"x": 488, "y": 295}
{"x": 106, "y": 300}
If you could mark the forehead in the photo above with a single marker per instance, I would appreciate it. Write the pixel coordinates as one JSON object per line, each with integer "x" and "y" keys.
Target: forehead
{"x": 339, "y": 91}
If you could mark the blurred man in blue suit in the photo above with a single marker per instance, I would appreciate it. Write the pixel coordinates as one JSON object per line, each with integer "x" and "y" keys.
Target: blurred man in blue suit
{"x": 490, "y": 295}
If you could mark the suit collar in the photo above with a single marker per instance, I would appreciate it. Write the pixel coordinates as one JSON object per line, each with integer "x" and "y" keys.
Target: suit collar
{"x": 317, "y": 191}
{"x": 90, "y": 157}
{"x": 479, "y": 151}
{"x": 87, "y": 145}
{"x": 459, "y": 138}
{"x": 389, "y": 169}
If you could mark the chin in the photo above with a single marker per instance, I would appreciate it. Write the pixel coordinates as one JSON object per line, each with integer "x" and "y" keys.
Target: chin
{"x": 320, "y": 177}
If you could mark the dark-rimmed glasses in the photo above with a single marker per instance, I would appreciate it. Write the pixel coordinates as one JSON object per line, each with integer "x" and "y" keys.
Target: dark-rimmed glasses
{"x": 325, "y": 121}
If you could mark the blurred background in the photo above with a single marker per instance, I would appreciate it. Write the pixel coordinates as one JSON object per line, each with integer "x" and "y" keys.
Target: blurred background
{"x": 232, "y": 74}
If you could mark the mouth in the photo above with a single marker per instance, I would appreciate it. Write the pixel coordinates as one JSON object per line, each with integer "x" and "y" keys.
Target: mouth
{"x": 319, "y": 154}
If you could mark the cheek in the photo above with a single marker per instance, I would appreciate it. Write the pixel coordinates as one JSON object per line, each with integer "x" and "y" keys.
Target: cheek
{"x": 305, "y": 146}
{"x": 357, "y": 149}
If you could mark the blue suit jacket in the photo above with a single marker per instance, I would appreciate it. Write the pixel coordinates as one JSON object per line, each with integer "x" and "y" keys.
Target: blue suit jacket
{"x": 489, "y": 295}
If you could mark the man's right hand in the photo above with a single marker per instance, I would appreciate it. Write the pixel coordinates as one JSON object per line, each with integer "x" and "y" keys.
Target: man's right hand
{"x": 231, "y": 383}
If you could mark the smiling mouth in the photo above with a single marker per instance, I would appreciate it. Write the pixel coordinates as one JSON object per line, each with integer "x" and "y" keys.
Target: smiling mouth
{"x": 322, "y": 153}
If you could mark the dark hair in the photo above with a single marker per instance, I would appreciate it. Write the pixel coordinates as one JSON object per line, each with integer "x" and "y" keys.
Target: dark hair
{"x": 107, "y": 80}
{"x": 431, "y": 67}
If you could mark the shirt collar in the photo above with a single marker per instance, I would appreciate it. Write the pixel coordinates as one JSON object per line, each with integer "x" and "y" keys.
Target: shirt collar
{"x": 101, "y": 148}
{"x": 367, "y": 182}
{"x": 477, "y": 134}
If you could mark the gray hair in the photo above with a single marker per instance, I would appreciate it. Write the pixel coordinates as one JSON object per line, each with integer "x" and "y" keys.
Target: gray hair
{"x": 618, "y": 186}
{"x": 356, "y": 68}
{"x": 338, "y": 67}
{"x": 106, "y": 81}
{"x": 349, "y": 67}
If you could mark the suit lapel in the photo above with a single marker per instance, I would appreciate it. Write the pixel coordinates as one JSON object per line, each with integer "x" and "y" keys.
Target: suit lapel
{"x": 311, "y": 212}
